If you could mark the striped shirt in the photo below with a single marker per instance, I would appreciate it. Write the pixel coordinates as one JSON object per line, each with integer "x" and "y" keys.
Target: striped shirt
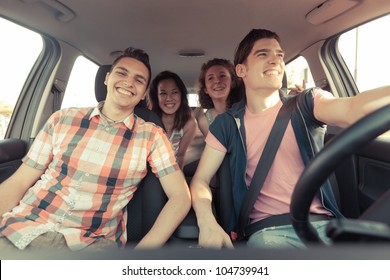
{"x": 175, "y": 139}
{"x": 92, "y": 169}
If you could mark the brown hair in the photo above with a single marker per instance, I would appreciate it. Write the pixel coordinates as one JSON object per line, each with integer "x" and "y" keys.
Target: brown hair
{"x": 246, "y": 45}
{"x": 137, "y": 54}
{"x": 204, "y": 99}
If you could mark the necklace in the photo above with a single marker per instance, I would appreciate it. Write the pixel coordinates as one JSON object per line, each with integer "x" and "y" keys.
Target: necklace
{"x": 114, "y": 121}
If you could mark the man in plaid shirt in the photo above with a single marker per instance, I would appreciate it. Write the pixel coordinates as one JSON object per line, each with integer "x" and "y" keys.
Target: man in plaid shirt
{"x": 84, "y": 167}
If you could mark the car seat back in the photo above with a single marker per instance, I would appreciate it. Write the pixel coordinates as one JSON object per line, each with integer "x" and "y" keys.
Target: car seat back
{"x": 11, "y": 153}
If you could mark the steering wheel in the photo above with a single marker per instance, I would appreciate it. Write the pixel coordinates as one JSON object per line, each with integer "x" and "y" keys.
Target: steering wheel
{"x": 326, "y": 162}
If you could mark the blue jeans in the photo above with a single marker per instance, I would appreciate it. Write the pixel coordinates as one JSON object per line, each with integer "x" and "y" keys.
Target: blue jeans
{"x": 282, "y": 237}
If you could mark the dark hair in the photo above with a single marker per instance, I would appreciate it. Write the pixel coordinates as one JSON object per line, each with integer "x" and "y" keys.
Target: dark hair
{"x": 246, "y": 45}
{"x": 204, "y": 99}
{"x": 137, "y": 54}
{"x": 183, "y": 114}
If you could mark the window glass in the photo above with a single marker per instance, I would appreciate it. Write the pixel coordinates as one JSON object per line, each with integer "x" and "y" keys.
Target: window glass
{"x": 365, "y": 51}
{"x": 18, "y": 54}
{"x": 298, "y": 73}
{"x": 80, "y": 91}
{"x": 193, "y": 99}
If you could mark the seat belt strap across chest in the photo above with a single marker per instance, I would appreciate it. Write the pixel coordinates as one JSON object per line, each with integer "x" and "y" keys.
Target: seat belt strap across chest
{"x": 264, "y": 164}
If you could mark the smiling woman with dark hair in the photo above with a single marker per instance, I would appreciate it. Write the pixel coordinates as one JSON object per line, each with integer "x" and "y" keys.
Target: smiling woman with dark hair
{"x": 168, "y": 98}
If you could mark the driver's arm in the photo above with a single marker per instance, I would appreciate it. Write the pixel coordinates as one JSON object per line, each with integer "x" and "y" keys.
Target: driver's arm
{"x": 13, "y": 189}
{"x": 210, "y": 232}
{"x": 344, "y": 111}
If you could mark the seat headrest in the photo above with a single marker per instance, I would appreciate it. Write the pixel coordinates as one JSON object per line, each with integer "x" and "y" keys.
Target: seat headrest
{"x": 101, "y": 88}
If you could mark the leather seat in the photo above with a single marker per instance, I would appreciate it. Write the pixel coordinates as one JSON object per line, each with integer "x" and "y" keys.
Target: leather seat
{"x": 11, "y": 153}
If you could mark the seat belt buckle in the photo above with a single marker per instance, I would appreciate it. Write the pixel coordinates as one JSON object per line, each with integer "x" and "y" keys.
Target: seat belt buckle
{"x": 233, "y": 235}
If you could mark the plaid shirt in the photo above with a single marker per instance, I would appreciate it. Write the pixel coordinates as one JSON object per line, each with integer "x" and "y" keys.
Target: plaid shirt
{"x": 92, "y": 168}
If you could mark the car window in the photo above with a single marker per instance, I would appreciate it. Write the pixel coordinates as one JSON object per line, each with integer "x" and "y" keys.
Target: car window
{"x": 298, "y": 73}
{"x": 18, "y": 54}
{"x": 193, "y": 98}
{"x": 80, "y": 91}
{"x": 365, "y": 52}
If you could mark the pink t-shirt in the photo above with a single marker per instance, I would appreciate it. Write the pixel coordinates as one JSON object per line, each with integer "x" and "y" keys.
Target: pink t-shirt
{"x": 278, "y": 187}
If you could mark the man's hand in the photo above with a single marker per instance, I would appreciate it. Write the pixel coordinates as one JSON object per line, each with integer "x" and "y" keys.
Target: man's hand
{"x": 298, "y": 88}
{"x": 211, "y": 235}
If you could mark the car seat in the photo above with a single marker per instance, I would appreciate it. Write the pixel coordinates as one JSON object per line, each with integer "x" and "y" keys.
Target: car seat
{"x": 11, "y": 153}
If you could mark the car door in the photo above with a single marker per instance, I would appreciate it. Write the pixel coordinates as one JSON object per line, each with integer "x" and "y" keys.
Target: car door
{"x": 25, "y": 73}
{"x": 355, "y": 65}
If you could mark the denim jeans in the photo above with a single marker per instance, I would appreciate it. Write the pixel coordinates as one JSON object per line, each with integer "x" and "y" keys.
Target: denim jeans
{"x": 282, "y": 237}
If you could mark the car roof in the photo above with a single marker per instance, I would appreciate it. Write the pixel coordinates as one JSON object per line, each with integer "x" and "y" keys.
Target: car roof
{"x": 163, "y": 29}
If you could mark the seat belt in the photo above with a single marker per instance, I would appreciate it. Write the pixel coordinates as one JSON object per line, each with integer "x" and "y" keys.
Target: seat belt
{"x": 264, "y": 164}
